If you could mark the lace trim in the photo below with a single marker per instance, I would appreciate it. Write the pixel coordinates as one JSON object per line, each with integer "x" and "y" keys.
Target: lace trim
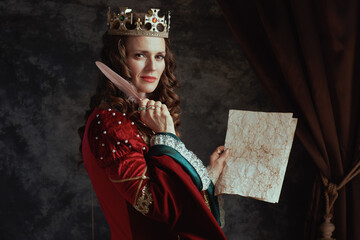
{"x": 144, "y": 201}
{"x": 161, "y": 139}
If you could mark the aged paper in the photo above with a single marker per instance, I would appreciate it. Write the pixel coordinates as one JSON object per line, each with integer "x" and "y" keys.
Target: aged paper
{"x": 260, "y": 145}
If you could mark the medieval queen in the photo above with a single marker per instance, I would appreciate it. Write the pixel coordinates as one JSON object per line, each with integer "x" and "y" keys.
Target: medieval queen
{"x": 149, "y": 185}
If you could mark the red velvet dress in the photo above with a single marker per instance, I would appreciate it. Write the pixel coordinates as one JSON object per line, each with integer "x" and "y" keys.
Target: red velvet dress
{"x": 142, "y": 195}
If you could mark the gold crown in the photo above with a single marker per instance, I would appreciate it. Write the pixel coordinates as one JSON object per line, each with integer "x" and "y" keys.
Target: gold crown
{"x": 127, "y": 22}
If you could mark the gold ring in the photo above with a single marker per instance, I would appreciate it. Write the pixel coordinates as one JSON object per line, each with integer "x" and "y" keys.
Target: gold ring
{"x": 151, "y": 107}
{"x": 141, "y": 108}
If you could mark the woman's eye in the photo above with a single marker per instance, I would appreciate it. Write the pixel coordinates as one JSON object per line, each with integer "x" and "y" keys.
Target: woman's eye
{"x": 139, "y": 55}
{"x": 160, "y": 57}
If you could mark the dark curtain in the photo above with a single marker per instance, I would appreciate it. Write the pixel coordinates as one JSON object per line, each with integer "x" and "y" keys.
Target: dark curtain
{"x": 306, "y": 54}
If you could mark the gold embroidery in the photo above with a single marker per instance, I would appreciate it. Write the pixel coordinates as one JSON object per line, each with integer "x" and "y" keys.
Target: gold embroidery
{"x": 142, "y": 179}
{"x": 131, "y": 179}
{"x": 144, "y": 201}
{"x": 140, "y": 203}
{"x": 206, "y": 197}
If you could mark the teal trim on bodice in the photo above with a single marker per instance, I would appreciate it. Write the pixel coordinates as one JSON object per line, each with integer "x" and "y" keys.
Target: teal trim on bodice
{"x": 158, "y": 150}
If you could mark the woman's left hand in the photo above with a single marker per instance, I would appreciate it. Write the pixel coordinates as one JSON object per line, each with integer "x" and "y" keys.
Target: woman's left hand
{"x": 217, "y": 162}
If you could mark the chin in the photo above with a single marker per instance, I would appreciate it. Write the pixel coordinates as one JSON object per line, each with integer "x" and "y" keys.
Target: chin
{"x": 148, "y": 89}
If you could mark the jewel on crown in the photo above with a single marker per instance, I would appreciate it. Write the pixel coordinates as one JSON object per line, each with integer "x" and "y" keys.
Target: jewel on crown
{"x": 127, "y": 22}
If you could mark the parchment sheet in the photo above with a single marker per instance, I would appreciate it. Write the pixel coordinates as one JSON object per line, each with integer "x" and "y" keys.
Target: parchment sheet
{"x": 260, "y": 145}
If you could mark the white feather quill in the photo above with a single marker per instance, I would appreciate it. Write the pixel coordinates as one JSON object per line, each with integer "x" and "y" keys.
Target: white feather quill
{"x": 128, "y": 88}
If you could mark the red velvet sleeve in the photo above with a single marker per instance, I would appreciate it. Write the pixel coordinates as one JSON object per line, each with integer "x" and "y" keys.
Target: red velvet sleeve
{"x": 119, "y": 149}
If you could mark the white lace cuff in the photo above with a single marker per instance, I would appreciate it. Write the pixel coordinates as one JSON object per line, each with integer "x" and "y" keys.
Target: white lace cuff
{"x": 170, "y": 141}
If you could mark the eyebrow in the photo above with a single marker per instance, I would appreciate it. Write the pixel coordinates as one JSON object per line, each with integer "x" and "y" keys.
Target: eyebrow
{"x": 145, "y": 51}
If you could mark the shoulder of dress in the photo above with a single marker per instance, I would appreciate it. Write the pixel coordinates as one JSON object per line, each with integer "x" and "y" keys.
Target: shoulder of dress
{"x": 118, "y": 128}
{"x": 112, "y": 119}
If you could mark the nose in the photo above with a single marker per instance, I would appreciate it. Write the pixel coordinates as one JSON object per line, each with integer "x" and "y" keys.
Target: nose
{"x": 151, "y": 64}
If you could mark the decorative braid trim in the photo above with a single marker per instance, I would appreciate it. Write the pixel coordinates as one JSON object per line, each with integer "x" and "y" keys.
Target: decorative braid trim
{"x": 167, "y": 140}
{"x": 206, "y": 198}
{"x": 144, "y": 201}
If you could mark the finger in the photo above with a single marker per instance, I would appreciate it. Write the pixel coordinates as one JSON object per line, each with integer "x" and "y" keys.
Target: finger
{"x": 164, "y": 110}
{"x": 219, "y": 155}
{"x": 220, "y": 149}
{"x": 150, "y": 104}
{"x": 142, "y": 107}
{"x": 166, "y": 113}
{"x": 143, "y": 102}
{"x": 149, "y": 109}
{"x": 224, "y": 155}
{"x": 215, "y": 155}
{"x": 158, "y": 104}
{"x": 217, "y": 152}
{"x": 158, "y": 108}
{"x": 226, "y": 152}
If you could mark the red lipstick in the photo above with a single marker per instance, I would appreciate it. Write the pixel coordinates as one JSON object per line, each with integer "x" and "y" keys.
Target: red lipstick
{"x": 149, "y": 79}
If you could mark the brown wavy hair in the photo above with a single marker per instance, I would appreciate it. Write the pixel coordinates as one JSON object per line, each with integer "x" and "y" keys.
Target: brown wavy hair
{"x": 113, "y": 54}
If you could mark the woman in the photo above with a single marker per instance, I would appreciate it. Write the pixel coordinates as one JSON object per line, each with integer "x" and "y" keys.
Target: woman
{"x": 148, "y": 184}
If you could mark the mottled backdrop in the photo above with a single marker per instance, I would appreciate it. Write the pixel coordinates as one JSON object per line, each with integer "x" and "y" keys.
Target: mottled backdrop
{"x": 48, "y": 50}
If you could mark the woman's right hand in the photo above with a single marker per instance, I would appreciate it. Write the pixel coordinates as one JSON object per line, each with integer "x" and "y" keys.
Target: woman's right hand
{"x": 217, "y": 162}
{"x": 158, "y": 119}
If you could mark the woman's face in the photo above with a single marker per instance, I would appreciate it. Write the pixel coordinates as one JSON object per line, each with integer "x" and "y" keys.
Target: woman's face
{"x": 145, "y": 58}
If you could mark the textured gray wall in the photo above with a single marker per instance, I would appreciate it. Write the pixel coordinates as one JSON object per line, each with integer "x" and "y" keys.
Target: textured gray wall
{"x": 48, "y": 49}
